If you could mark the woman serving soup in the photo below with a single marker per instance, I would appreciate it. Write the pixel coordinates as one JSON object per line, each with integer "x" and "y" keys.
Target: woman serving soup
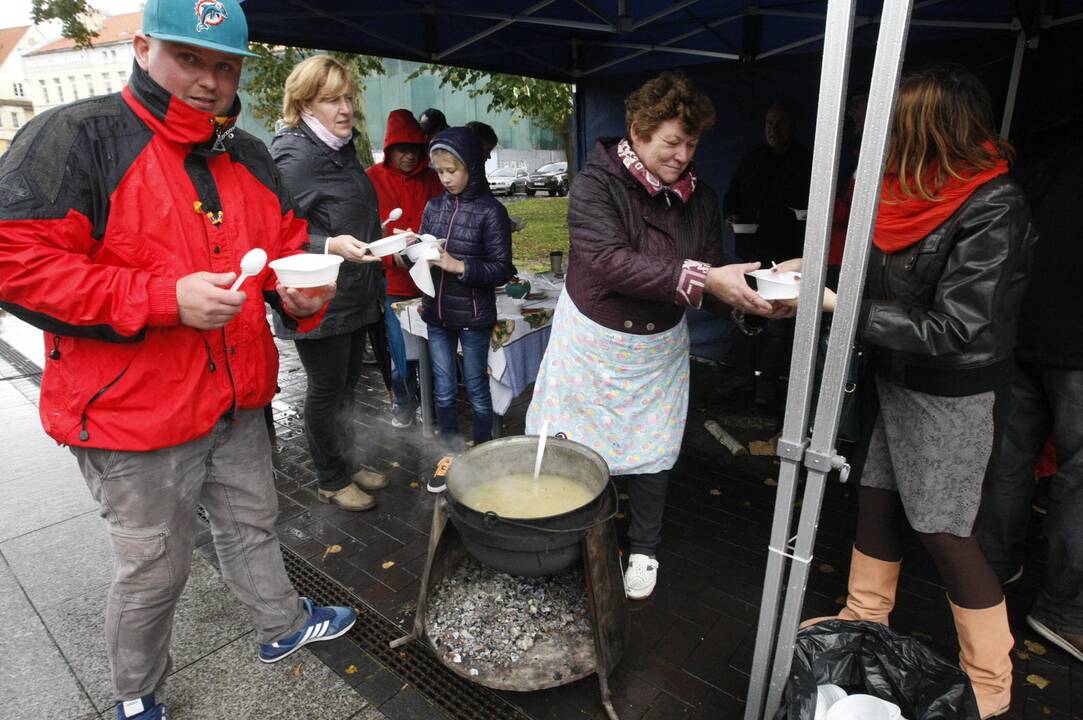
{"x": 646, "y": 243}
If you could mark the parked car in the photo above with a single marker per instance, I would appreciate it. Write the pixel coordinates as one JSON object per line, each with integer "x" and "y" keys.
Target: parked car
{"x": 553, "y": 178}
{"x": 508, "y": 181}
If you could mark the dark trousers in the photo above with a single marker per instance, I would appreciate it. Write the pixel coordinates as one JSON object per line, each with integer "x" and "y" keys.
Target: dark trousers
{"x": 333, "y": 366}
{"x": 1041, "y": 400}
{"x": 646, "y": 505}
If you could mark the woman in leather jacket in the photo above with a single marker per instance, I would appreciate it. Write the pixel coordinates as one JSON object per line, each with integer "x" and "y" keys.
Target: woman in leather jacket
{"x": 314, "y": 152}
{"x": 646, "y": 242}
{"x": 944, "y": 285}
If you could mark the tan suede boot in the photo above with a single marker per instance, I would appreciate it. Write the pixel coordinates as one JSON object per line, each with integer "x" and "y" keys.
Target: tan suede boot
{"x": 871, "y": 593}
{"x": 985, "y": 646}
{"x": 348, "y": 498}
{"x": 369, "y": 480}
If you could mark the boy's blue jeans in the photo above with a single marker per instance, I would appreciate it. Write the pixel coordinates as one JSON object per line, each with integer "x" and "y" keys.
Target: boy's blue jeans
{"x": 443, "y": 343}
{"x": 404, "y": 386}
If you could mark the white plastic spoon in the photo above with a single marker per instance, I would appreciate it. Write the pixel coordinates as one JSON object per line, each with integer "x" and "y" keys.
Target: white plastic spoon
{"x": 251, "y": 264}
{"x": 391, "y": 217}
{"x": 542, "y": 436}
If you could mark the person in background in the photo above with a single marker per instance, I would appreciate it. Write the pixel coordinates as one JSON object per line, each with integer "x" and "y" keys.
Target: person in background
{"x": 645, "y": 244}
{"x": 939, "y": 319}
{"x": 314, "y": 151}
{"x": 1046, "y": 398}
{"x": 403, "y": 180}
{"x": 157, "y": 372}
{"x": 476, "y": 259}
{"x": 487, "y": 136}
{"x": 771, "y": 183}
{"x": 432, "y": 121}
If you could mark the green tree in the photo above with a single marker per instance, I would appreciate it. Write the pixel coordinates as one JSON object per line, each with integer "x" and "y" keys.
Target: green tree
{"x": 71, "y": 14}
{"x": 546, "y": 102}
{"x": 267, "y": 81}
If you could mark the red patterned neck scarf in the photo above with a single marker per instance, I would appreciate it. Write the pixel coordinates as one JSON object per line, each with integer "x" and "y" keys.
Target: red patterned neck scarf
{"x": 903, "y": 221}
{"x": 683, "y": 188}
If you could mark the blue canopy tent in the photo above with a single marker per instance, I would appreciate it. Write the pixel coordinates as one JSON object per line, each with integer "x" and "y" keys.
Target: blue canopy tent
{"x": 744, "y": 55}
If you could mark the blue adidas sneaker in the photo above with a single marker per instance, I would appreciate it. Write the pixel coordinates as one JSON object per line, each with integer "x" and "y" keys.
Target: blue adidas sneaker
{"x": 324, "y": 623}
{"x": 142, "y": 709}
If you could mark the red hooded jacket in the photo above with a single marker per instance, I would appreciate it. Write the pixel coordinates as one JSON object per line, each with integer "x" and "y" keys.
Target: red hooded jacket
{"x": 410, "y": 192}
{"x": 104, "y": 204}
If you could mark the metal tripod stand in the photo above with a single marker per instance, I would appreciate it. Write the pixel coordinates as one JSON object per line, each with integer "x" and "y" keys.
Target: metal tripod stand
{"x": 816, "y": 455}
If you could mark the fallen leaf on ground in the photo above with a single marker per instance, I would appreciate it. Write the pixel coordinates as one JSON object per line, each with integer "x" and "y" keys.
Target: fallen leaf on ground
{"x": 623, "y": 496}
{"x": 1038, "y": 681}
{"x": 763, "y": 447}
{"x": 716, "y": 491}
{"x": 840, "y": 600}
{"x": 826, "y": 568}
{"x": 1035, "y": 647}
{"x": 770, "y": 482}
{"x": 413, "y": 484}
{"x": 1046, "y": 710}
{"x": 620, "y": 516}
{"x": 351, "y": 670}
{"x": 298, "y": 670}
{"x": 1022, "y": 654}
{"x": 395, "y": 463}
{"x": 388, "y": 565}
{"x": 331, "y": 550}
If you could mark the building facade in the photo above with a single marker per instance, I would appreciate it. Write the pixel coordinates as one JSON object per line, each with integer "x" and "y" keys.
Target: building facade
{"x": 58, "y": 72}
{"x": 16, "y": 104}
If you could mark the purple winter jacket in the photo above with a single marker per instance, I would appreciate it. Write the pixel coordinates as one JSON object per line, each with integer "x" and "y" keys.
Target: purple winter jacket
{"x": 628, "y": 248}
{"x": 478, "y": 232}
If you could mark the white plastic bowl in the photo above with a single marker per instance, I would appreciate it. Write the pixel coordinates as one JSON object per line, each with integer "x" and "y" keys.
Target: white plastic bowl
{"x": 415, "y": 251}
{"x": 745, "y": 228}
{"x": 306, "y": 270}
{"x": 776, "y": 286}
{"x": 859, "y": 707}
{"x": 389, "y": 245}
{"x": 801, "y": 215}
{"x": 827, "y": 695}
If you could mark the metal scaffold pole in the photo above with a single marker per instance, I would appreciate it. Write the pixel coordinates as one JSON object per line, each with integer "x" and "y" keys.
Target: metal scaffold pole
{"x": 817, "y": 456}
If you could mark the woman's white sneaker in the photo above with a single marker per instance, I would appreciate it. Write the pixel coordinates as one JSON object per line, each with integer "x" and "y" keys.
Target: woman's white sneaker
{"x": 640, "y": 577}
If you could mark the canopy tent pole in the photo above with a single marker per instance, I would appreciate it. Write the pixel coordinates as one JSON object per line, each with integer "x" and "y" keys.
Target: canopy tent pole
{"x": 818, "y": 454}
{"x": 791, "y": 444}
{"x": 1013, "y": 83}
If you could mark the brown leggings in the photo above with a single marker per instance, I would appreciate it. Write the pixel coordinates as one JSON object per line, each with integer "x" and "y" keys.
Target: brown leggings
{"x": 970, "y": 581}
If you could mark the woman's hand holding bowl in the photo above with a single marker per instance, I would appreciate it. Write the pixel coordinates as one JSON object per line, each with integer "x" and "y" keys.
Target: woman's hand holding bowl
{"x": 727, "y": 283}
{"x": 795, "y": 265}
{"x": 350, "y": 249}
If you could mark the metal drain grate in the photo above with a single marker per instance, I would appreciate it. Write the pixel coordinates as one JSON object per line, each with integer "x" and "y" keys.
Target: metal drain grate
{"x": 413, "y": 663}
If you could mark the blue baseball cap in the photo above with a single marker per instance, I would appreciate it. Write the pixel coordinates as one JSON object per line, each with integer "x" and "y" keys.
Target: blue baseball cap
{"x": 214, "y": 24}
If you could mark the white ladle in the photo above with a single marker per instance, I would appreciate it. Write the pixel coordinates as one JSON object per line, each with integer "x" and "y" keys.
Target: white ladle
{"x": 391, "y": 217}
{"x": 251, "y": 264}
{"x": 542, "y": 437}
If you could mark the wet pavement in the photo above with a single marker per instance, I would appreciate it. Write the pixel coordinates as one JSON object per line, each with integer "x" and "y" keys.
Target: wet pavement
{"x": 692, "y": 641}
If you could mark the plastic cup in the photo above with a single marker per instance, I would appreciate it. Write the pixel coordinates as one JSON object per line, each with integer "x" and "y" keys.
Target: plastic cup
{"x": 556, "y": 261}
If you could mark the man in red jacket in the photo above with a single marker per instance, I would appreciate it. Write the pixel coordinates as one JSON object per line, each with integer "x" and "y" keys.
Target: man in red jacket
{"x": 122, "y": 221}
{"x": 403, "y": 180}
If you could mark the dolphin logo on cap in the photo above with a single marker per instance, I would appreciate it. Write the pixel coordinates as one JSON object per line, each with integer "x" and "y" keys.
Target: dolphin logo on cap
{"x": 209, "y": 13}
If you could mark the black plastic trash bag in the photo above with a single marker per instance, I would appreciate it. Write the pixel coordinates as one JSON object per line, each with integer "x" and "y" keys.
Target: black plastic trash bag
{"x": 865, "y": 657}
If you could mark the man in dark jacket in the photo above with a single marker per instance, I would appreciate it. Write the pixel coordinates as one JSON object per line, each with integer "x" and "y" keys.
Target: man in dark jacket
{"x": 123, "y": 219}
{"x": 1046, "y": 396}
{"x": 771, "y": 183}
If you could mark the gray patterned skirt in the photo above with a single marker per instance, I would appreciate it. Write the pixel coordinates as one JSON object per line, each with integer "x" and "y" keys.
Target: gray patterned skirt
{"x": 933, "y": 451}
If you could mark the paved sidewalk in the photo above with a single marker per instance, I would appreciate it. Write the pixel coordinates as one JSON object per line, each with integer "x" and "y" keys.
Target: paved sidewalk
{"x": 55, "y": 567}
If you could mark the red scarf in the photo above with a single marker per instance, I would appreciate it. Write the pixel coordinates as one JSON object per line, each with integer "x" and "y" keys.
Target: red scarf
{"x": 903, "y": 221}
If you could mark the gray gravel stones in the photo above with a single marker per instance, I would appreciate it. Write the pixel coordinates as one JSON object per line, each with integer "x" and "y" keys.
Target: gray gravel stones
{"x": 484, "y": 620}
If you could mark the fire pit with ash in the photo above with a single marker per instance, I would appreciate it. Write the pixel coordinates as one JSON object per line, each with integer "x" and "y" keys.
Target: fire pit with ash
{"x": 506, "y": 631}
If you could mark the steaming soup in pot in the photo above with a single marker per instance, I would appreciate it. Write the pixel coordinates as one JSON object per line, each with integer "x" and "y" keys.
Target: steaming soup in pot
{"x": 519, "y": 496}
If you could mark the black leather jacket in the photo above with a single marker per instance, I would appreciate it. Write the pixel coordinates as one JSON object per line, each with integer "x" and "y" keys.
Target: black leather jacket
{"x": 941, "y": 315}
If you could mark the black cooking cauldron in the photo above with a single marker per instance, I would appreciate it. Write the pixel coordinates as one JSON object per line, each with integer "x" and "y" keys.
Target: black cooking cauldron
{"x": 536, "y": 546}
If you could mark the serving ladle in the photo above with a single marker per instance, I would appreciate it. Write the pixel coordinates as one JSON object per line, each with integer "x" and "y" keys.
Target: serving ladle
{"x": 251, "y": 264}
{"x": 391, "y": 217}
{"x": 542, "y": 436}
